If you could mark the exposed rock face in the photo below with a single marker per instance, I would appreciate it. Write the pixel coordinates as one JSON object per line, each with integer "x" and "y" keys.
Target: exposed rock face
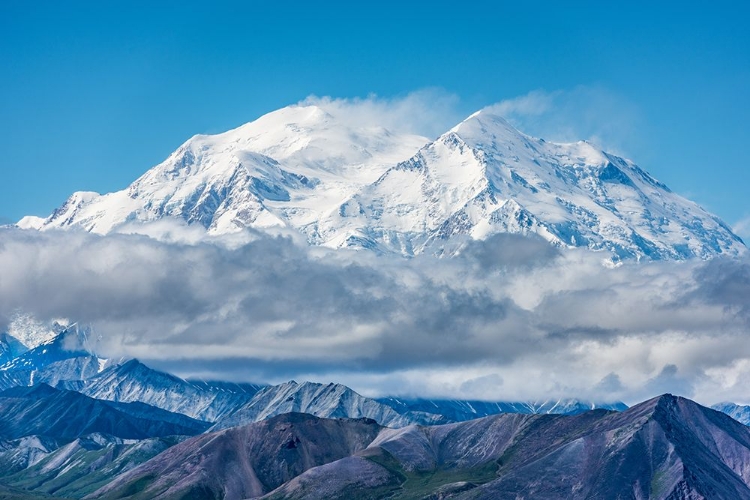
{"x": 665, "y": 448}
{"x": 246, "y": 461}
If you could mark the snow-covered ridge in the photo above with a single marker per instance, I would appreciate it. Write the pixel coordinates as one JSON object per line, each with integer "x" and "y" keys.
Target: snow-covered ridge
{"x": 32, "y": 332}
{"x": 304, "y": 168}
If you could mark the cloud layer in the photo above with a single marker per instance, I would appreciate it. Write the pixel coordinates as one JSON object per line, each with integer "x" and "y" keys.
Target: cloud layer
{"x": 508, "y": 318}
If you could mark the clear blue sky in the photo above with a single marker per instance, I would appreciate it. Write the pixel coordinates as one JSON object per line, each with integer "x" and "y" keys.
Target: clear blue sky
{"x": 92, "y": 94}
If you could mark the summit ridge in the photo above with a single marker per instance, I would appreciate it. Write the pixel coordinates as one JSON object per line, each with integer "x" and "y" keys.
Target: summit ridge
{"x": 347, "y": 186}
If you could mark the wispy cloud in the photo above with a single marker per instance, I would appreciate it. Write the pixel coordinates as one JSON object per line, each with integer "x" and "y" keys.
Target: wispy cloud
{"x": 742, "y": 229}
{"x": 428, "y": 112}
{"x": 567, "y": 115}
{"x": 583, "y": 113}
{"x": 508, "y": 318}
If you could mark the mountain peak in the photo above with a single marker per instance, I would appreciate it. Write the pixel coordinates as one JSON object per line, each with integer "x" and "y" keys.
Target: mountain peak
{"x": 485, "y": 127}
{"x": 344, "y": 183}
{"x": 301, "y": 114}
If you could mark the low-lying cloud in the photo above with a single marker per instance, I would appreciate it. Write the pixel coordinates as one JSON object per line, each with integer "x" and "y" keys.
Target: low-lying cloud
{"x": 507, "y": 318}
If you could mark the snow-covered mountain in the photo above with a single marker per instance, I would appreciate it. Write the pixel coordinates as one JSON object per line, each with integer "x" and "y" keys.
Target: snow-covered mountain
{"x": 460, "y": 410}
{"x": 321, "y": 400}
{"x": 10, "y": 348}
{"x": 338, "y": 401}
{"x": 63, "y": 363}
{"x": 74, "y": 469}
{"x": 132, "y": 381}
{"x": 740, "y": 413}
{"x": 71, "y": 342}
{"x": 340, "y": 185}
{"x": 31, "y": 332}
{"x": 287, "y": 168}
{"x": 485, "y": 177}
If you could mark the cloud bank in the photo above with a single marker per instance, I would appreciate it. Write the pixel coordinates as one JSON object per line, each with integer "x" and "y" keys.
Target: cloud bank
{"x": 508, "y": 318}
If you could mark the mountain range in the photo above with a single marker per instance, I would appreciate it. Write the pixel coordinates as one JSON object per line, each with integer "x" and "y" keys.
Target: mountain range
{"x": 344, "y": 186}
{"x": 76, "y": 425}
{"x": 119, "y": 429}
{"x": 664, "y": 448}
{"x": 64, "y": 364}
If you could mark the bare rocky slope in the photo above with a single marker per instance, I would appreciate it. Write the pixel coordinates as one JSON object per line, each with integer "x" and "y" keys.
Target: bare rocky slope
{"x": 665, "y": 448}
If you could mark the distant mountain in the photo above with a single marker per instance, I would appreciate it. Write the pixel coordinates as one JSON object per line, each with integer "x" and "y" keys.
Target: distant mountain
{"x": 460, "y": 410}
{"x": 286, "y": 168}
{"x": 67, "y": 415}
{"x": 14, "y": 379}
{"x": 62, "y": 442}
{"x": 268, "y": 440}
{"x": 322, "y": 400}
{"x": 32, "y": 332}
{"x": 229, "y": 404}
{"x": 484, "y": 177}
{"x": 336, "y": 400}
{"x": 19, "y": 454}
{"x": 70, "y": 342}
{"x": 341, "y": 185}
{"x": 66, "y": 373}
{"x": 133, "y": 381}
{"x": 10, "y": 348}
{"x": 64, "y": 358}
{"x": 740, "y": 413}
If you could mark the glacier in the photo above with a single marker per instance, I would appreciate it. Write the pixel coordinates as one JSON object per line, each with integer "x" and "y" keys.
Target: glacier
{"x": 341, "y": 186}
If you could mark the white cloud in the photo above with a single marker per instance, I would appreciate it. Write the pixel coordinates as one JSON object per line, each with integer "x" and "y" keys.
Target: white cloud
{"x": 510, "y": 318}
{"x": 583, "y": 113}
{"x": 742, "y": 229}
{"x": 485, "y": 324}
{"x": 427, "y": 112}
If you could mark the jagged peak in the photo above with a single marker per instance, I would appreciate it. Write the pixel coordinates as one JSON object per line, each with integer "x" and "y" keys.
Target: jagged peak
{"x": 663, "y": 404}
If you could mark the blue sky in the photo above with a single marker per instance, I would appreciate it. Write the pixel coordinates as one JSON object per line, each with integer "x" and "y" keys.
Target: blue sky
{"x": 92, "y": 94}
